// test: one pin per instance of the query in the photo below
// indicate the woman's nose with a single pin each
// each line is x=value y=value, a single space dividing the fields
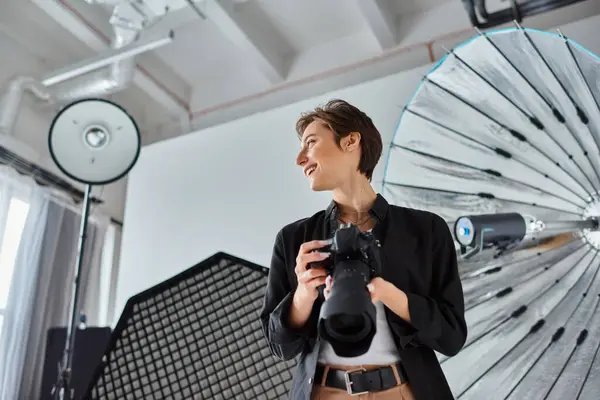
x=301 y=158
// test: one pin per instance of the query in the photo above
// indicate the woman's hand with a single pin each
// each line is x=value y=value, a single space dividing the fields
x=309 y=279
x=379 y=288
x=392 y=297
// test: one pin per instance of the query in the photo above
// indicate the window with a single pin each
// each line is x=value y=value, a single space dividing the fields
x=11 y=237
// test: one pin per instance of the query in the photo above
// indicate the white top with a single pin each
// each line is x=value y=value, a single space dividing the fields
x=382 y=351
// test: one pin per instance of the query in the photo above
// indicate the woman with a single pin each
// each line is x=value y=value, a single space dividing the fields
x=418 y=297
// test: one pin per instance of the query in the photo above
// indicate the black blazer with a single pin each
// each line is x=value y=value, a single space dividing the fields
x=418 y=257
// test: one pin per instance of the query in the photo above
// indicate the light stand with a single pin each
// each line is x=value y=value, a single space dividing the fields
x=62 y=386
x=92 y=141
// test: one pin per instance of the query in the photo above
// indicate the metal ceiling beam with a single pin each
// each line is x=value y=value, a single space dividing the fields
x=259 y=45
x=381 y=21
x=170 y=91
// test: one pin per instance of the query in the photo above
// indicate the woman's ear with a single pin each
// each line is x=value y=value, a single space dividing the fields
x=351 y=142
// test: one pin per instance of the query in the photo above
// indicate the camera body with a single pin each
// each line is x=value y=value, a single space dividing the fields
x=349 y=243
x=347 y=318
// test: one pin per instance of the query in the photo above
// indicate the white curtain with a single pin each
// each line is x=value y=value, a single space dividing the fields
x=111 y=253
x=40 y=277
x=19 y=255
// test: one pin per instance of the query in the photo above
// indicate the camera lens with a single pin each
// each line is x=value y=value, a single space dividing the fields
x=347 y=319
x=348 y=328
x=350 y=324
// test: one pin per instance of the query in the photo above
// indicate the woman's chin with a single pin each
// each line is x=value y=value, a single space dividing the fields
x=317 y=186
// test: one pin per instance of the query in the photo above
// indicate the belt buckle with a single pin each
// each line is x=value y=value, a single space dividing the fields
x=349 y=382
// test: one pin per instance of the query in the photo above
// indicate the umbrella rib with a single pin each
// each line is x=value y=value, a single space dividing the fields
x=557 y=114
x=560 y=259
x=558 y=334
x=564 y=366
x=498 y=151
x=481 y=194
x=517 y=313
x=589 y=371
x=504 y=291
x=555 y=111
x=582 y=76
x=580 y=339
x=587 y=85
x=533 y=119
x=580 y=113
x=521 y=137
x=486 y=270
x=524 y=375
x=487 y=171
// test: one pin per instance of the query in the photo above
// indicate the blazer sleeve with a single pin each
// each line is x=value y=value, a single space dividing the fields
x=284 y=342
x=438 y=320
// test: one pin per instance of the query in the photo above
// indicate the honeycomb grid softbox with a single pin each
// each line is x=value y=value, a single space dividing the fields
x=194 y=336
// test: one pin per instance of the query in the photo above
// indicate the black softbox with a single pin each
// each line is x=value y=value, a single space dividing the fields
x=194 y=336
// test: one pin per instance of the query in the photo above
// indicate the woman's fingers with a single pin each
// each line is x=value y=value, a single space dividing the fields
x=328 y=282
x=316 y=282
x=304 y=259
x=313 y=273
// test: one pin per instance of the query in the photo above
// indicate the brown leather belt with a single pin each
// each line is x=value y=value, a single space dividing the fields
x=359 y=380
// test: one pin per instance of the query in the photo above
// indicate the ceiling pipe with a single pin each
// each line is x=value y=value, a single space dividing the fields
x=13 y=95
x=105 y=59
x=127 y=24
x=128 y=21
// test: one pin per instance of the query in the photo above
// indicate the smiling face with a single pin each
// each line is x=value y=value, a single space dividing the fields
x=325 y=163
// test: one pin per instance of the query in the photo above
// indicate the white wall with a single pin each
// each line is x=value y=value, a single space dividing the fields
x=232 y=187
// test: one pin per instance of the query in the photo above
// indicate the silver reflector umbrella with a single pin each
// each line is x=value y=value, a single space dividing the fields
x=502 y=140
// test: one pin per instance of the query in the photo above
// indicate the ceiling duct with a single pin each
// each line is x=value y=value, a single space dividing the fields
x=129 y=19
x=127 y=24
x=11 y=101
x=481 y=18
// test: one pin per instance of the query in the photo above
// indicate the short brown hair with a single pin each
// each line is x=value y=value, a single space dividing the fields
x=343 y=118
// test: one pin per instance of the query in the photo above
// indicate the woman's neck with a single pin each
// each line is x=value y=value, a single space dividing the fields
x=355 y=198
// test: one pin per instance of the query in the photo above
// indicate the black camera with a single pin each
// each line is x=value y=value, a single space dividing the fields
x=347 y=318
